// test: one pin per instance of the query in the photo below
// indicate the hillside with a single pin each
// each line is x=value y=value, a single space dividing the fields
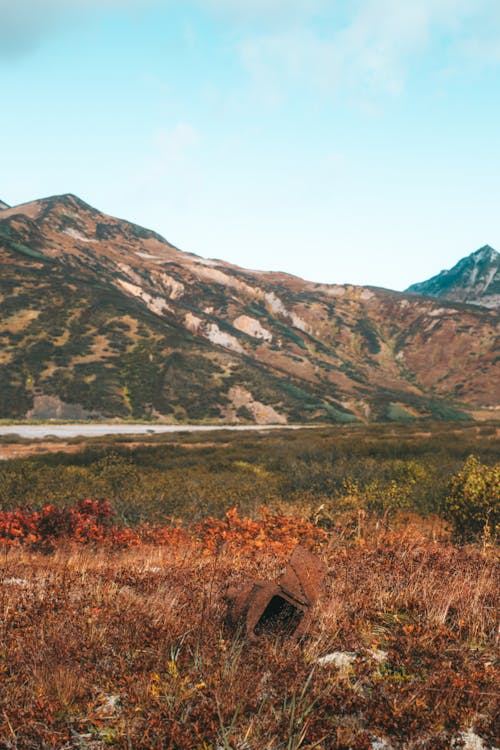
x=475 y=280
x=100 y=317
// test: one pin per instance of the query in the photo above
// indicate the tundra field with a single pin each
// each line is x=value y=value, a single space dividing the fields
x=117 y=555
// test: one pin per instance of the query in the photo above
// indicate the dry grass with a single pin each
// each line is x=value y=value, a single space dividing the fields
x=128 y=649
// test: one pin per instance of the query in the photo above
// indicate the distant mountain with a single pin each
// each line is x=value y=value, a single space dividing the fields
x=475 y=280
x=3 y=205
x=102 y=318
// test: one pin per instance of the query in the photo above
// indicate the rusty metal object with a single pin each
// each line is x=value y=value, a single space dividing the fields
x=282 y=607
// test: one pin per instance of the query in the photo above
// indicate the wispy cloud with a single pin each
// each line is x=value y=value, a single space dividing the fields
x=373 y=51
x=282 y=42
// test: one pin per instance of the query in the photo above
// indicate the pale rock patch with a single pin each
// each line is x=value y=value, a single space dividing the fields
x=128 y=271
x=262 y=413
x=158 y=305
x=147 y=256
x=491 y=275
x=215 y=274
x=299 y=323
x=175 y=288
x=222 y=338
x=212 y=332
x=366 y=294
x=276 y=305
x=431 y=325
x=440 y=311
x=193 y=323
x=75 y=235
x=252 y=327
x=335 y=291
x=205 y=262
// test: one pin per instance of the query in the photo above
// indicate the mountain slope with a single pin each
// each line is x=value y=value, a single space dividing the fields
x=100 y=316
x=475 y=279
x=3 y=205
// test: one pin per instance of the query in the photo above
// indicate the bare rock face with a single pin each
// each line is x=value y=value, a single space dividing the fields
x=475 y=280
x=281 y=608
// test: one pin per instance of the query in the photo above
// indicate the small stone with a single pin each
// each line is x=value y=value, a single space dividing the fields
x=469 y=740
x=378 y=743
x=340 y=659
x=376 y=655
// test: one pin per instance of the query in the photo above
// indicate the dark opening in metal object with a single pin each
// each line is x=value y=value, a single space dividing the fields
x=279 y=617
x=281 y=607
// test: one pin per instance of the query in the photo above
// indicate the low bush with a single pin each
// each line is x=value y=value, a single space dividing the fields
x=473 y=501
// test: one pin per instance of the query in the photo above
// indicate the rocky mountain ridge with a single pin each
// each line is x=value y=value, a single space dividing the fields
x=101 y=317
x=474 y=279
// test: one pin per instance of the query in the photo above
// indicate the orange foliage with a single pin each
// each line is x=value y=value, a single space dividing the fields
x=91 y=522
x=276 y=533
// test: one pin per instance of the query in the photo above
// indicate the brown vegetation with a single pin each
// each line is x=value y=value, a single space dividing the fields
x=128 y=649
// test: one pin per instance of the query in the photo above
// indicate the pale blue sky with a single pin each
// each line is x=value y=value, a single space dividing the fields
x=350 y=141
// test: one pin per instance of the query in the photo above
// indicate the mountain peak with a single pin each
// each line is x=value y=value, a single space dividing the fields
x=485 y=253
x=475 y=279
x=69 y=199
x=53 y=203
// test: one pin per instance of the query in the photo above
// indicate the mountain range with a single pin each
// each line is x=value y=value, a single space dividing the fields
x=100 y=318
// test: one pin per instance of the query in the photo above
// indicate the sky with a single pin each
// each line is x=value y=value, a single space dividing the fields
x=344 y=141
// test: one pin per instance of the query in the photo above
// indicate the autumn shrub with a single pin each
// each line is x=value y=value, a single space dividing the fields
x=473 y=501
x=270 y=532
x=92 y=522
x=89 y=521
